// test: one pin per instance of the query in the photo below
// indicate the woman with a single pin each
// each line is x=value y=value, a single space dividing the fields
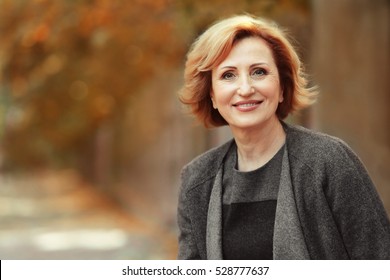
x=276 y=191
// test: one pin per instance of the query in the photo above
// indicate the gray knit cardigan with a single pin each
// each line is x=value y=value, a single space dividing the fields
x=327 y=207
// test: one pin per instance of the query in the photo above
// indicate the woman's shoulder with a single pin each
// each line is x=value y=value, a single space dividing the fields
x=205 y=166
x=315 y=147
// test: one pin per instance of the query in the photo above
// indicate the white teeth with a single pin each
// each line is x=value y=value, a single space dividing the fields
x=247 y=104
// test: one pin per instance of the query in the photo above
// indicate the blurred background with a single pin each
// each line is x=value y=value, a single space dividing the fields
x=92 y=136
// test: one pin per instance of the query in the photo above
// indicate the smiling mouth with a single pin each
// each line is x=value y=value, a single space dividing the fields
x=247 y=104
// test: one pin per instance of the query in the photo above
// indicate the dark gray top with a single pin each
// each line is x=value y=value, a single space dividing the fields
x=257 y=185
x=249 y=204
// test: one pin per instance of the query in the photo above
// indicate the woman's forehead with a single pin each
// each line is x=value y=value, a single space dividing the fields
x=248 y=51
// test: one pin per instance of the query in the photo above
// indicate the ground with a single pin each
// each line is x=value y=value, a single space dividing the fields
x=56 y=215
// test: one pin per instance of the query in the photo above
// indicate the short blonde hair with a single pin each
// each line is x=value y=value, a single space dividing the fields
x=215 y=44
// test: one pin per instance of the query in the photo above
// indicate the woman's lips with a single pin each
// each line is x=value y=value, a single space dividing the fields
x=246 y=106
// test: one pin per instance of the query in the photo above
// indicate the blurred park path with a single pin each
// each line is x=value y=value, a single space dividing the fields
x=55 y=215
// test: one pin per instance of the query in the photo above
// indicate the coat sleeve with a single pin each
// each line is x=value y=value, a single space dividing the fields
x=187 y=246
x=358 y=211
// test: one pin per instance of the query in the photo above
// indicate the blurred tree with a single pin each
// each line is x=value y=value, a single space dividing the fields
x=67 y=67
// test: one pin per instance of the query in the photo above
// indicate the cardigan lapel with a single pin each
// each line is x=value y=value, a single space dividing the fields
x=289 y=242
x=214 y=220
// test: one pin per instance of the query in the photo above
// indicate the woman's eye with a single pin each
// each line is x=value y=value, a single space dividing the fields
x=259 y=72
x=228 y=76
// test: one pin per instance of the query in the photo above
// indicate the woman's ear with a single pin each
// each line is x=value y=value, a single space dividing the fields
x=212 y=100
x=281 y=97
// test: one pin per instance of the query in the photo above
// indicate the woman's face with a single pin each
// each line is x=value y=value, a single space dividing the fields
x=245 y=86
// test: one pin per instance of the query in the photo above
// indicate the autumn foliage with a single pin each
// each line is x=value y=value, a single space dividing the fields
x=69 y=68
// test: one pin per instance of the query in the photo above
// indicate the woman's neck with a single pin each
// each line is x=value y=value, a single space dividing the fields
x=256 y=146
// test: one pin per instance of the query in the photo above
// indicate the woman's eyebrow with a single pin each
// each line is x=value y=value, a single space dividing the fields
x=228 y=67
x=259 y=64
x=235 y=67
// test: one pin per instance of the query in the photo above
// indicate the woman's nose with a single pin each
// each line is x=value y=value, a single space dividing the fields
x=245 y=88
